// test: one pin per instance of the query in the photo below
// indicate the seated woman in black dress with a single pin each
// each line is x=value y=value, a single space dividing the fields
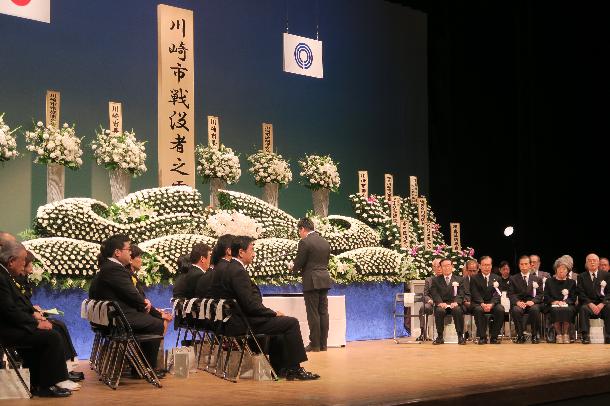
x=560 y=296
x=27 y=289
x=135 y=266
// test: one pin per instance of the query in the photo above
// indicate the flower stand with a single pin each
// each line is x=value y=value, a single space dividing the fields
x=271 y=193
x=119 y=184
x=216 y=184
x=56 y=182
x=320 y=201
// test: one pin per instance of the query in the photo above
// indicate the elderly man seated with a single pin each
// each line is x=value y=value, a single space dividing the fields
x=21 y=326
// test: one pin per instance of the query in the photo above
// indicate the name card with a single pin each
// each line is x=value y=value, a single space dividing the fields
x=404 y=234
x=213 y=132
x=363 y=183
x=456 y=244
x=413 y=190
x=176 y=92
x=422 y=210
x=395 y=205
x=52 y=108
x=389 y=186
x=429 y=236
x=115 y=115
x=267 y=137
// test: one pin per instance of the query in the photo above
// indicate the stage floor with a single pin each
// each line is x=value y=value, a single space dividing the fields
x=384 y=373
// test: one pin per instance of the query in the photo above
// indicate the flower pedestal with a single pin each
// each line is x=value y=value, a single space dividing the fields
x=320 y=201
x=215 y=185
x=56 y=182
x=119 y=184
x=271 y=193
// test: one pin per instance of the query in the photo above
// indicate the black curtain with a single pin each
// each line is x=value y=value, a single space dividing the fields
x=518 y=94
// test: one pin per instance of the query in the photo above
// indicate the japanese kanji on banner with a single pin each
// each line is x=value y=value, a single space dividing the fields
x=176 y=114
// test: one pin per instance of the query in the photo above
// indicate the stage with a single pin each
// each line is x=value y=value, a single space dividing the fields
x=382 y=372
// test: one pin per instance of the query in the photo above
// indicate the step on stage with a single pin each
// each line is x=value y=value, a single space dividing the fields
x=384 y=373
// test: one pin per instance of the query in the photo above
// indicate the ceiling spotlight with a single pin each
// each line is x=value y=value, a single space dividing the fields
x=508 y=231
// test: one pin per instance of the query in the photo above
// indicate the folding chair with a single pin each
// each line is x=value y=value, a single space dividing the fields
x=226 y=364
x=402 y=300
x=9 y=352
x=115 y=343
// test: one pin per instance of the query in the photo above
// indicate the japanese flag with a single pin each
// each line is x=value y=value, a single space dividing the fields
x=39 y=10
x=303 y=56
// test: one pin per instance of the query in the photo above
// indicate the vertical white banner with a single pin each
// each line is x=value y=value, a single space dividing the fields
x=213 y=132
x=363 y=183
x=267 y=137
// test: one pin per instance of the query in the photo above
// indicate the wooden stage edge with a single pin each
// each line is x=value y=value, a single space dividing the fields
x=384 y=373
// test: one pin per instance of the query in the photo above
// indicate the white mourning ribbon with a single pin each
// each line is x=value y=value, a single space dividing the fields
x=103 y=314
x=208 y=310
x=83 y=309
x=189 y=305
x=90 y=312
x=219 y=312
x=175 y=303
x=603 y=285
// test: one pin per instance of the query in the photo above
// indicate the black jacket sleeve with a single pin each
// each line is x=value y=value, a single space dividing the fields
x=250 y=303
x=11 y=312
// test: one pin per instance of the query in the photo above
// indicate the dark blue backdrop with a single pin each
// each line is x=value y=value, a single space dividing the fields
x=369 y=309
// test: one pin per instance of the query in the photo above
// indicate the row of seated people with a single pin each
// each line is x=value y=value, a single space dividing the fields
x=561 y=297
x=224 y=277
x=44 y=344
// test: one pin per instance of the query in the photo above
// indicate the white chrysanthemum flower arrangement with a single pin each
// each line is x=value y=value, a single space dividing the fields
x=8 y=142
x=234 y=223
x=55 y=145
x=119 y=151
x=221 y=163
x=320 y=172
x=269 y=167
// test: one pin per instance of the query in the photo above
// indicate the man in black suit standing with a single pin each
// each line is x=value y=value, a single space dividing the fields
x=186 y=286
x=287 y=351
x=593 y=298
x=113 y=282
x=448 y=295
x=486 y=294
x=21 y=325
x=525 y=293
x=311 y=263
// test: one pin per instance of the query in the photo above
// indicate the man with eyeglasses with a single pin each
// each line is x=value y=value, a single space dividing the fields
x=113 y=282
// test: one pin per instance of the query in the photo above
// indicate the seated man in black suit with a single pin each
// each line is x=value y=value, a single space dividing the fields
x=200 y=262
x=486 y=294
x=22 y=326
x=428 y=306
x=593 y=298
x=448 y=295
x=287 y=351
x=113 y=282
x=221 y=257
x=525 y=293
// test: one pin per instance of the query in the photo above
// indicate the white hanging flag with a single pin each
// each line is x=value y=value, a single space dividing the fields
x=303 y=56
x=39 y=10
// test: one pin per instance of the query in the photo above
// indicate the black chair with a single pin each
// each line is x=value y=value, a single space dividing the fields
x=228 y=346
x=10 y=356
x=115 y=342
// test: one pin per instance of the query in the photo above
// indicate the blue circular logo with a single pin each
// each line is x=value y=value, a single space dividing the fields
x=303 y=56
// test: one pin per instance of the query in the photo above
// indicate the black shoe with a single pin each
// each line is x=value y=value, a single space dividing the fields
x=585 y=339
x=494 y=340
x=309 y=348
x=551 y=339
x=535 y=340
x=438 y=340
x=323 y=348
x=607 y=340
x=520 y=340
x=76 y=376
x=52 y=392
x=420 y=338
x=160 y=373
x=300 y=374
x=482 y=340
x=461 y=339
